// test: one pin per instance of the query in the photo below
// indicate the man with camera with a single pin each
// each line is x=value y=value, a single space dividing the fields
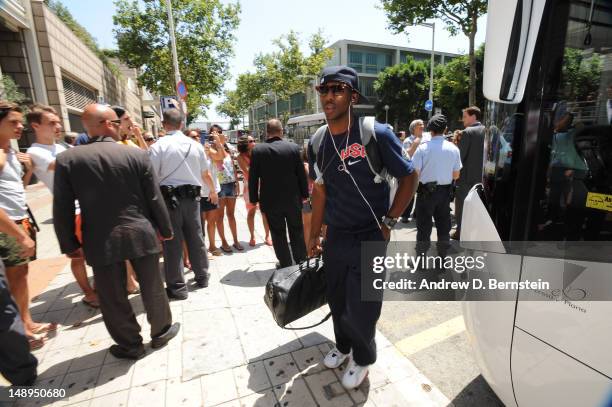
x=438 y=164
x=182 y=168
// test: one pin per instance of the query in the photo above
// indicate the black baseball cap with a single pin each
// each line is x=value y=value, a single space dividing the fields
x=344 y=74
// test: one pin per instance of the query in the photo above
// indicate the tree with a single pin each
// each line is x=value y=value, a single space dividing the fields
x=9 y=90
x=581 y=75
x=283 y=72
x=458 y=15
x=405 y=89
x=232 y=107
x=204 y=40
x=451 y=85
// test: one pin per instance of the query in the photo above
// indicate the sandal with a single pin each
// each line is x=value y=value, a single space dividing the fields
x=238 y=247
x=134 y=291
x=92 y=304
x=44 y=328
x=216 y=252
x=36 y=342
x=268 y=241
x=252 y=242
x=227 y=249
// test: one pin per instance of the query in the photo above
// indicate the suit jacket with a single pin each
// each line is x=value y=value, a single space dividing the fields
x=277 y=178
x=471 y=148
x=120 y=200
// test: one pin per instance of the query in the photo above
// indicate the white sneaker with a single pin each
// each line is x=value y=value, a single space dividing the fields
x=334 y=358
x=354 y=375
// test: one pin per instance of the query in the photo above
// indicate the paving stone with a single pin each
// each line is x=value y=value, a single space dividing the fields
x=251 y=378
x=327 y=390
x=294 y=393
x=118 y=399
x=151 y=368
x=268 y=399
x=412 y=390
x=56 y=362
x=90 y=354
x=389 y=396
x=281 y=369
x=206 y=356
x=218 y=388
x=183 y=394
x=394 y=365
x=114 y=377
x=149 y=395
x=79 y=386
x=175 y=363
x=309 y=360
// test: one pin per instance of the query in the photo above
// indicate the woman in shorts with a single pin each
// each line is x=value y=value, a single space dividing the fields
x=245 y=145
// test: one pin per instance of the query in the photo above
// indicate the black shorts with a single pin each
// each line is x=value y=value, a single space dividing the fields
x=206 y=205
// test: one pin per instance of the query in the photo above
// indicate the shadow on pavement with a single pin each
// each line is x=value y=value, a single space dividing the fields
x=246 y=278
x=477 y=393
x=299 y=376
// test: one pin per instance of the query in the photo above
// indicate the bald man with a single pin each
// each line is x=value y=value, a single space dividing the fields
x=278 y=181
x=122 y=212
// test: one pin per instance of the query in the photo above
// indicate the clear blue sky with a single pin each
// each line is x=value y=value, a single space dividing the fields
x=264 y=20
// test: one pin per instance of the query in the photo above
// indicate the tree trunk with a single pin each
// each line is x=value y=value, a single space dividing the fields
x=472 y=82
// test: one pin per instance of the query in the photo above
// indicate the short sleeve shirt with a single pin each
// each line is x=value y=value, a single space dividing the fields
x=178 y=160
x=436 y=160
x=12 y=192
x=44 y=155
x=345 y=207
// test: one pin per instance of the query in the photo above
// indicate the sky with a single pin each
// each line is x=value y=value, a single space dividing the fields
x=264 y=20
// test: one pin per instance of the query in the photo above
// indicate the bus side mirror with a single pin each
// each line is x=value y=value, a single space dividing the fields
x=512 y=32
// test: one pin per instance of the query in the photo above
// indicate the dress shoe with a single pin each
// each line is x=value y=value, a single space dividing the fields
x=121 y=353
x=176 y=296
x=163 y=339
x=202 y=282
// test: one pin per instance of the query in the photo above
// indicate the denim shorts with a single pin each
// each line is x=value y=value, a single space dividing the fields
x=228 y=190
x=206 y=205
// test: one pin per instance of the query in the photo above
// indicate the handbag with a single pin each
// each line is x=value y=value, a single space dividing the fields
x=295 y=291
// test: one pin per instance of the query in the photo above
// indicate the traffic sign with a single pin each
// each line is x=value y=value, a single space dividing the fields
x=181 y=89
x=429 y=105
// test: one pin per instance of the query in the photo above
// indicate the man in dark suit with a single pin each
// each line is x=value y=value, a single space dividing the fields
x=278 y=181
x=471 y=147
x=121 y=208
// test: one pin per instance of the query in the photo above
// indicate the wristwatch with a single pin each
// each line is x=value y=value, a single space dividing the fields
x=389 y=222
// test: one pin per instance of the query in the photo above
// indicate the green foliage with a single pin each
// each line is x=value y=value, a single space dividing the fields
x=90 y=42
x=451 y=86
x=204 y=40
x=9 y=90
x=405 y=89
x=458 y=16
x=284 y=72
x=581 y=75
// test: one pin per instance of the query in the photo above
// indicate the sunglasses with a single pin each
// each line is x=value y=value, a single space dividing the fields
x=337 y=90
x=149 y=139
x=251 y=141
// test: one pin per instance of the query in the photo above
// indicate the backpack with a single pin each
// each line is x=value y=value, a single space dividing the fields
x=368 y=140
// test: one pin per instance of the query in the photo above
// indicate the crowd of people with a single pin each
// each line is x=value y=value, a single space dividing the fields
x=122 y=196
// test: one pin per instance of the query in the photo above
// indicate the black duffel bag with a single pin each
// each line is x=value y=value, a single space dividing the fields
x=295 y=291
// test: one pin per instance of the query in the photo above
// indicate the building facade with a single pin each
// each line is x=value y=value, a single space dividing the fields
x=51 y=65
x=368 y=59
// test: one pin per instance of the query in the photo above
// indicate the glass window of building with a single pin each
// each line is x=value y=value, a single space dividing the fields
x=371 y=63
x=356 y=60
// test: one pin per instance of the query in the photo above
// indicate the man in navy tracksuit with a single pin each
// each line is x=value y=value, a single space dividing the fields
x=355 y=209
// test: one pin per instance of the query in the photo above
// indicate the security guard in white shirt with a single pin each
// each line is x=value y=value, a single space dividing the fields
x=182 y=168
x=438 y=163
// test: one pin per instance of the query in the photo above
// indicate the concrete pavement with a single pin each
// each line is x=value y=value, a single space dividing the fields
x=229 y=351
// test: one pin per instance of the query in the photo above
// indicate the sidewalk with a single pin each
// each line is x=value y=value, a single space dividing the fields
x=229 y=352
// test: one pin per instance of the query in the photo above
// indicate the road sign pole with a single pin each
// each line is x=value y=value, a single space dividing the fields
x=177 y=74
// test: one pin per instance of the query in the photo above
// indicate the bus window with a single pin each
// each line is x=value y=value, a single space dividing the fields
x=574 y=193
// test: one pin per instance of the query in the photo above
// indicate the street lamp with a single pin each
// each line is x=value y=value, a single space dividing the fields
x=177 y=74
x=386 y=114
x=431 y=68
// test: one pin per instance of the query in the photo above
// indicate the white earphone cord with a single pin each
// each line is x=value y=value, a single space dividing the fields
x=344 y=166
